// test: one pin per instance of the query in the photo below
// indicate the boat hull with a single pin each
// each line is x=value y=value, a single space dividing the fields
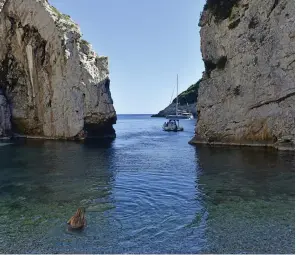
x=179 y=117
x=169 y=129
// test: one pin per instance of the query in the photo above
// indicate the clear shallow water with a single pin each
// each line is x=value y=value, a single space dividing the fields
x=148 y=191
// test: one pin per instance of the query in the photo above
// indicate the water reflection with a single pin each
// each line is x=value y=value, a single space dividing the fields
x=249 y=194
x=99 y=143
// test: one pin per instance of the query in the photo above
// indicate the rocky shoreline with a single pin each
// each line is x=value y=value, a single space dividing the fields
x=283 y=145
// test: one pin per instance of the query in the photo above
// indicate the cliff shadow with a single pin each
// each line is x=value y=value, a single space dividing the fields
x=249 y=196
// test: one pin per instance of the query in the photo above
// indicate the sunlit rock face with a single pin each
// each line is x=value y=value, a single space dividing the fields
x=53 y=84
x=247 y=93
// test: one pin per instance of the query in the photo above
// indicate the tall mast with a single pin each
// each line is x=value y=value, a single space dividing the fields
x=177 y=96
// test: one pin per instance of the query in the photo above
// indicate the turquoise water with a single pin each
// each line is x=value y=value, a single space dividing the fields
x=147 y=191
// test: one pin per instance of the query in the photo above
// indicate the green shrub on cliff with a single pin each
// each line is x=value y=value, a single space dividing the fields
x=64 y=17
x=189 y=96
x=85 y=42
x=59 y=14
x=221 y=9
x=56 y=11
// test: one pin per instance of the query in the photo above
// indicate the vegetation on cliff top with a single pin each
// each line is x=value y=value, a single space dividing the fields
x=221 y=9
x=190 y=95
x=64 y=17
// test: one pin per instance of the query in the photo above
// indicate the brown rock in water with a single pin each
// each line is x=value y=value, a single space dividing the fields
x=78 y=221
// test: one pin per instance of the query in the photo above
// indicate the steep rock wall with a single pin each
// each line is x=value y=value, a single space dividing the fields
x=54 y=84
x=247 y=92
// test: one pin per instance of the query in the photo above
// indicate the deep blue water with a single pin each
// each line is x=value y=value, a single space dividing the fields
x=148 y=191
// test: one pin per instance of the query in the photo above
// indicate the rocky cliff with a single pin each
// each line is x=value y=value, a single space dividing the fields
x=247 y=93
x=52 y=84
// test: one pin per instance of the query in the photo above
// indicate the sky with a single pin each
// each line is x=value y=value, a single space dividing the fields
x=148 y=42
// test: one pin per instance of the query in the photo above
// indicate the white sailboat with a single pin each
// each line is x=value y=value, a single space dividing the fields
x=186 y=115
x=173 y=123
x=180 y=114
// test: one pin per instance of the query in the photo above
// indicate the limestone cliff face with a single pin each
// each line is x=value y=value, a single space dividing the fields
x=51 y=82
x=247 y=92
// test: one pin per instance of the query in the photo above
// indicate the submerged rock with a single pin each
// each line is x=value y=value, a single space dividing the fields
x=247 y=93
x=53 y=84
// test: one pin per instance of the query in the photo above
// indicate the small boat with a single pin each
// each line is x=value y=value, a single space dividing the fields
x=172 y=125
